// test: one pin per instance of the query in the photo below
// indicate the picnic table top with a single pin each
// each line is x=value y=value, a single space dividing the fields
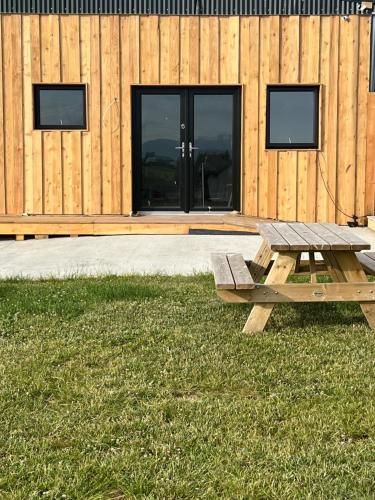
x=297 y=236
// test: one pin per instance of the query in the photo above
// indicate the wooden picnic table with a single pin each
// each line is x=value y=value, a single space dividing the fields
x=238 y=282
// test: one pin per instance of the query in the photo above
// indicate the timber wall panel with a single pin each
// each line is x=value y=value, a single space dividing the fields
x=249 y=77
x=363 y=76
x=370 y=152
x=3 y=201
x=90 y=172
x=130 y=67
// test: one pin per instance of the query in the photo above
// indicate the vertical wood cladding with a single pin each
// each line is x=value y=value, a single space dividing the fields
x=90 y=172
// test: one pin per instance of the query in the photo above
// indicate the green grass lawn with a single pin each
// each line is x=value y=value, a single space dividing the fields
x=145 y=387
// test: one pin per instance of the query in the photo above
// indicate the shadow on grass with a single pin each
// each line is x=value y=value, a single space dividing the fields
x=317 y=315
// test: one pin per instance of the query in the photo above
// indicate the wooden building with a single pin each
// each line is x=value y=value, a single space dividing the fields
x=259 y=109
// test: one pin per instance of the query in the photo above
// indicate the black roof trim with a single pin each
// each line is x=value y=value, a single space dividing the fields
x=183 y=7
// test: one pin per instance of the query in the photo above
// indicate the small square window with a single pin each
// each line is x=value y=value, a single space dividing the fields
x=60 y=107
x=292 y=117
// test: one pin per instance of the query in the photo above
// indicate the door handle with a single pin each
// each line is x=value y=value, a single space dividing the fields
x=191 y=149
x=182 y=148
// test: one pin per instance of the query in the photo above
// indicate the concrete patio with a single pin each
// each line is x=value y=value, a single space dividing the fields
x=92 y=256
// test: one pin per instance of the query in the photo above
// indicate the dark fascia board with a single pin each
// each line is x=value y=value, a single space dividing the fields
x=184 y=7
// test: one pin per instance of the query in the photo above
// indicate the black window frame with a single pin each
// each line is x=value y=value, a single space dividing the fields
x=297 y=145
x=37 y=87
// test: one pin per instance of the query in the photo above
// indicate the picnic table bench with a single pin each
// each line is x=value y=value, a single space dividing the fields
x=239 y=281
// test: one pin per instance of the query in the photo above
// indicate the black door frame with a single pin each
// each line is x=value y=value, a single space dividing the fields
x=187 y=116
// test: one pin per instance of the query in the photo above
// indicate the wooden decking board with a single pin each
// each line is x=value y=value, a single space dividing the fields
x=118 y=224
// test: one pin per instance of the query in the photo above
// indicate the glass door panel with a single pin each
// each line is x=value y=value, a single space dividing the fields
x=211 y=151
x=186 y=148
x=160 y=153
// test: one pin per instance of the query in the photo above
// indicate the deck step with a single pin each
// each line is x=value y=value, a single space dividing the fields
x=65 y=225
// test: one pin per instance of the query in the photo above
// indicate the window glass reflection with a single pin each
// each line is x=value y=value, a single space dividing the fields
x=292 y=117
x=160 y=158
x=213 y=161
x=63 y=108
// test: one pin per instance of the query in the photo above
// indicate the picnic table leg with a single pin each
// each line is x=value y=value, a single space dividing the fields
x=278 y=274
x=333 y=267
x=345 y=267
x=261 y=261
x=312 y=263
x=298 y=263
x=353 y=272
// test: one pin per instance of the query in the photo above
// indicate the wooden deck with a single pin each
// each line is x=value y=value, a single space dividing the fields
x=80 y=225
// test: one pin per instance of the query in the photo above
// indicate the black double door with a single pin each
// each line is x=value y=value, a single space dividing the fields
x=186 y=148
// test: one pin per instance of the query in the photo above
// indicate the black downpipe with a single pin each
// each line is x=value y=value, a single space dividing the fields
x=372 y=56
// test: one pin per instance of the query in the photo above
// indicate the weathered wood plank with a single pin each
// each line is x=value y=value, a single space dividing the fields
x=149 y=50
x=370 y=157
x=51 y=146
x=3 y=189
x=222 y=273
x=13 y=113
x=367 y=260
x=209 y=50
x=249 y=76
x=130 y=66
x=307 y=160
x=71 y=141
x=229 y=49
x=259 y=265
x=28 y=123
x=295 y=241
x=38 y=198
x=352 y=271
x=302 y=293
x=327 y=163
x=85 y=57
x=354 y=242
x=279 y=273
x=169 y=50
x=335 y=242
x=240 y=272
x=273 y=238
x=361 y=111
x=95 y=117
x=288 y=160
x=316 y=242
x=273 y=155
x=110 y=123
x=189 y=50
x=269 y=72
x=347 y=117
x=370 y=255
x=313 y=268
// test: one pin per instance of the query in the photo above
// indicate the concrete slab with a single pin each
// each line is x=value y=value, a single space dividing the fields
x=153 y=254
x=86 y=256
